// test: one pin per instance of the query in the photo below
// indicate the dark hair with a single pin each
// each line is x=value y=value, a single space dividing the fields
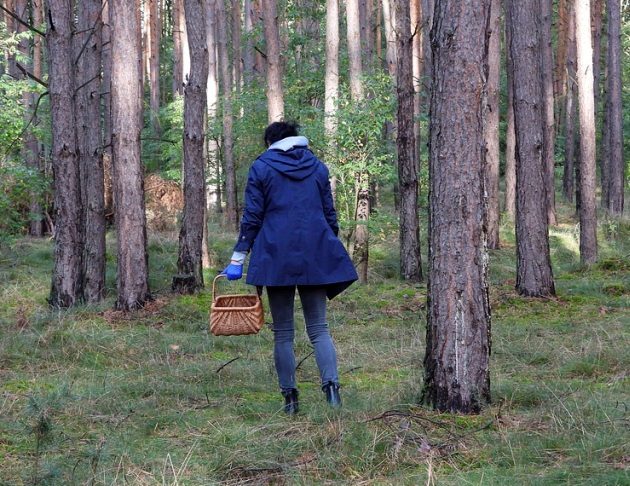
x=279 y=130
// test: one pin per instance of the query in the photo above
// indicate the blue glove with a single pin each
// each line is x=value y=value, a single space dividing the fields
x=234 y=270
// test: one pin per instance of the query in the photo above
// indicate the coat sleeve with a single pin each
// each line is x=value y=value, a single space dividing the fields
x=328 y=204
x=253 y=213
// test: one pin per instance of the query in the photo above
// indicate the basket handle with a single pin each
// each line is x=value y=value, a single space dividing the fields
x=214 y=285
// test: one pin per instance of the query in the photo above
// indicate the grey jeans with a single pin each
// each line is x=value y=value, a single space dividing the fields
x=313 y=298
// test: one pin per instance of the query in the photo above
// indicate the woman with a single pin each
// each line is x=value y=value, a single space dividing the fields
x=290 y=226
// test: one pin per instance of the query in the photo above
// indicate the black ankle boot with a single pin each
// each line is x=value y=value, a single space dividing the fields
x=332 y=394
x=291 y=403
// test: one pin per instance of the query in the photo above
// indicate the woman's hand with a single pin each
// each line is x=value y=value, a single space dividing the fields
x=234 y=270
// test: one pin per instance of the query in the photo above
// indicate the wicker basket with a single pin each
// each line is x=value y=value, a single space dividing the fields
x=235 y=315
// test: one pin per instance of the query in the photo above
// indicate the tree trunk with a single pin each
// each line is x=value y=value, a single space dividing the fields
x=248 y=55
x=534 y=276
x=154 y=64
x=361 y=235
x=214 y=189
x=456 y=363
x=616 y=169
x=331 y=81
x=236 y=45
x=416 y=46
x=30 y=149
x=548 y=110
x=596 y=20
x=428 y=7
x=67 y=282
x=106 y=58
x=227 y=148
x=568 y=179
x=132 y=269
x=389 y=20
x=410 y=263
x=510 y=135
x=491 y=130
x=88 y=47
x=588 y=216
x=189 y=261
x=275 y=96
x=178 y=53
x=560 y=77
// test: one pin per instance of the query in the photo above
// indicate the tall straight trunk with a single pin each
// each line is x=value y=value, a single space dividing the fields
x=361 y=235
x=30 y=149
x=67 y=282
x=534 y=276
x=389 y=21
x=457 y=359
x=214 y=190
x=491 y=128
x=126 y=93
x=189 y=261
x=410 y=263
x=259 y=60
x=88 y=48
x=248 y=55
x=275 y=95
x=568 y=178
x=331 y=80
x=560 y=77
x=586 y=100
x=510 y=135
x=236 y=45
x=178 y=53
x=548 y=110
x=415 y=15
x=428 y=7
x=154 y=63
x=106 y=86
x=596 y=19
x=378 y=33
x=616 y=169
x=227 y=148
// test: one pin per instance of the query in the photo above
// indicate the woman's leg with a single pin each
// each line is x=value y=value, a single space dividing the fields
x=281 y=301
x=314 y=306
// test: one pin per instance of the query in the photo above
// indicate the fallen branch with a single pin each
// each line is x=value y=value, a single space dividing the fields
x=225 y=364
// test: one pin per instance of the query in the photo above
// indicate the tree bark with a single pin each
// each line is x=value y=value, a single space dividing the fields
x=248 y=55
x=132 y=267
x=67 y=282
x=491 y=128
x=189 y=261
x=88 y=48
x=559 y=86
x=331 y=80
x=389 y=21
x=30 y=149
x=178 y=53
x=361 y=235
x=410 y=263
x=415 y=14
x=106 y=58
x=568 y=179
x=548 y=110
x=534 y=277
x=214 y=190
x=616 y=169
x=226 y=79
x=275 y=96
x=428 y=7
x=236 y=45
x=510 y=135
x=154 y=64
x=588 y=216
x=457 y=356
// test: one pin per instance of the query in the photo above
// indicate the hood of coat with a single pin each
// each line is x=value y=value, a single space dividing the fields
x=291 y=157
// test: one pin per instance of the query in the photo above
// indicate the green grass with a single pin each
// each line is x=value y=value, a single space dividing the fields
x=93 y=396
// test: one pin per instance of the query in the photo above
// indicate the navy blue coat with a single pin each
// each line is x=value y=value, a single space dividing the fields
x=290 y=224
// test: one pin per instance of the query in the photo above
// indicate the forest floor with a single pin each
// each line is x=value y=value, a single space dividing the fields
x=93 y=396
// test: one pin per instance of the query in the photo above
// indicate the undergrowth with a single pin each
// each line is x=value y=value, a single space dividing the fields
x=93 y=396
